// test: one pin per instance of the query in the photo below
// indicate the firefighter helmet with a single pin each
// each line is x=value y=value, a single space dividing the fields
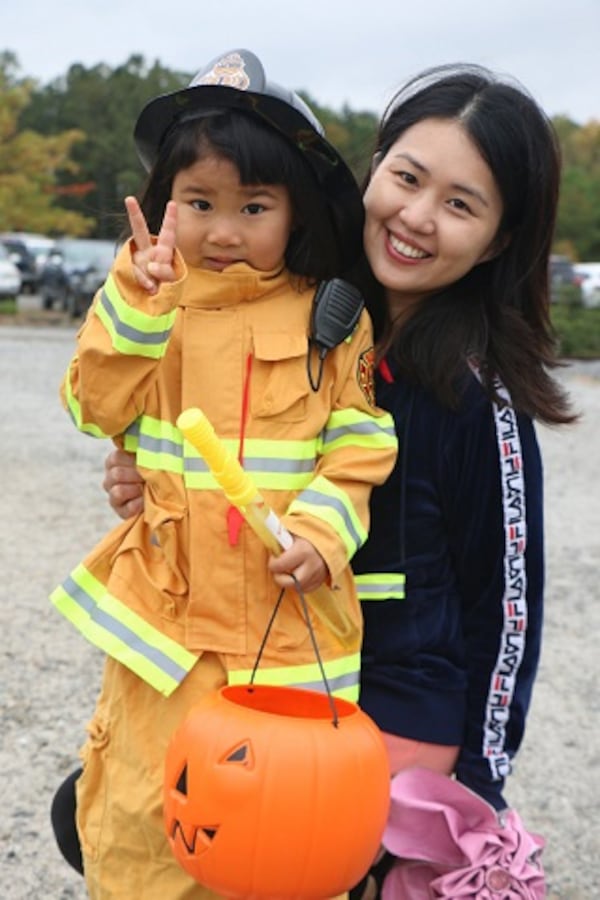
x=236 y=80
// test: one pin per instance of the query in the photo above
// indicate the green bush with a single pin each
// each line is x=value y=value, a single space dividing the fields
x=578 y=330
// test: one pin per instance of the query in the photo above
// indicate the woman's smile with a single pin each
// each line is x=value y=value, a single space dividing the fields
x=405 y=249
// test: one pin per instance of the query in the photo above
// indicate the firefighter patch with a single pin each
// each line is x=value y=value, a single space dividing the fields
x=229 y=70
x=366 y=382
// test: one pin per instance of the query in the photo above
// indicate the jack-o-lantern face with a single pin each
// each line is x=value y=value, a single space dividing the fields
x=266 y=798
x=201 y=836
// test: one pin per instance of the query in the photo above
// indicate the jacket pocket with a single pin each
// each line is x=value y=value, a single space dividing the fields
x=280 y=385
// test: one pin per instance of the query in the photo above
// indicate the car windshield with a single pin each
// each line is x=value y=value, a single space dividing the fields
x=85 y=253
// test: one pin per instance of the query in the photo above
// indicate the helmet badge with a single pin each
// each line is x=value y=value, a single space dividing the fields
x=228 y=71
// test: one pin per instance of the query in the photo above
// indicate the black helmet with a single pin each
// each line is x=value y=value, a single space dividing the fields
x=236 y=80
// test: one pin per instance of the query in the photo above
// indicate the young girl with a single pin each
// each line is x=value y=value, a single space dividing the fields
x=251 y=208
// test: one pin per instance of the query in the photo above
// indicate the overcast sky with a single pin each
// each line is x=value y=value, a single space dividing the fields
x=340 y=51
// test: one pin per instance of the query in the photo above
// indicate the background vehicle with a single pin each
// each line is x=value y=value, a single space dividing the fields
x=54 y=281
x=24 y=261
x=10 y=277
x=565 y=283
x=74 y=271
x=589 y=273
x=37 y=245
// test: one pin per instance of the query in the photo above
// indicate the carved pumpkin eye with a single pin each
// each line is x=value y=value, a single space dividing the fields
x=241 y=754
x=181 y=785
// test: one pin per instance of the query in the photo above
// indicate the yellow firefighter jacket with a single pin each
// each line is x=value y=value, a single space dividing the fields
x=163 y=587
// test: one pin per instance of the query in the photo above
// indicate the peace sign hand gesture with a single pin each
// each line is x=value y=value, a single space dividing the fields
x=152 y=262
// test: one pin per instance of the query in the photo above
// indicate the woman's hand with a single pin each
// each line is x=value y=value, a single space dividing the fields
x=123 y=484
x=152 y=260
x=303 y=562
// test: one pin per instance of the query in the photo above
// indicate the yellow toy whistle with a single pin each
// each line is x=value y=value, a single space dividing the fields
x=241 y=492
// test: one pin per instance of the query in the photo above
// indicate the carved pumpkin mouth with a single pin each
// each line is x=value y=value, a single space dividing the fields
x=198 y=838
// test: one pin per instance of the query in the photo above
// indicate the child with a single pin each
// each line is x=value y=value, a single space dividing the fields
x=252 y=208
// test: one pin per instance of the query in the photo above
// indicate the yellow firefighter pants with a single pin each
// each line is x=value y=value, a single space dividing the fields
x=119 y=795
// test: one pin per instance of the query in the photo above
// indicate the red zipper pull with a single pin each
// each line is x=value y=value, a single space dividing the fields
x=235 y=521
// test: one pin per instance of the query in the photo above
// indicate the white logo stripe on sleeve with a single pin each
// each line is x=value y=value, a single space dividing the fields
x=514 y=601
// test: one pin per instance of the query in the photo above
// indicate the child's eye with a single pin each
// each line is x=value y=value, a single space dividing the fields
x=201 y=204
x=254 y=208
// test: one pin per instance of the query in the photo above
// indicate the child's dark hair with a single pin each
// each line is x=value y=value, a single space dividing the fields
x=498 y=313
x=262 y=156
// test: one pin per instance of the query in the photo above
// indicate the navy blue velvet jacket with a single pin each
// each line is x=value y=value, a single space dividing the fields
x=462 y=516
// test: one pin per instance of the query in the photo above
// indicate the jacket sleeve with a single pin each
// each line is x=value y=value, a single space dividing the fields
x=358 y=448
x=119 y=346
x=495 y=514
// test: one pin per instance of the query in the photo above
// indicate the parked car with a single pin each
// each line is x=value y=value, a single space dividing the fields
x=589 y=273
x=37 y=245
x=24 y=261
x=10 y=277
x=73 y=272
x=565 y=283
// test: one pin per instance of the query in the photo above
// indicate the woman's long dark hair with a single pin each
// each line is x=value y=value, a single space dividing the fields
x=498 y=313
x=262 y=156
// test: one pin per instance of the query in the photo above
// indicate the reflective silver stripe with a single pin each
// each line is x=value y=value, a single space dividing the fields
x=159 y=445
x=345 y=681
x=380 y=586
x=364 y=428
x=342 y=675
x=338 y=683
x=128 y=332
x=258 y=464
x=116 y=628
x=132 y=435
x=139 y=436
x=315 y=498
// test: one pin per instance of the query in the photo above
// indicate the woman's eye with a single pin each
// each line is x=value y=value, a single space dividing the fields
x=407 y=177
x=460 y=205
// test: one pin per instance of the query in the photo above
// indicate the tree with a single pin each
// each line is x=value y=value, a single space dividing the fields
x=104 y=103
x=30 y=164
x=351 y=132
x=578 y=227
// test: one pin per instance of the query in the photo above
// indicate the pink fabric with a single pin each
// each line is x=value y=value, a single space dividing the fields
x=453 y=845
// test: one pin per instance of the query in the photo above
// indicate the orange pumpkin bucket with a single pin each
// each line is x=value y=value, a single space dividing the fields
x=267 y=798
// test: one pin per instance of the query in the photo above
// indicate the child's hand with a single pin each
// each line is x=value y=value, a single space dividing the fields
x=303 y=562
x=152 y=262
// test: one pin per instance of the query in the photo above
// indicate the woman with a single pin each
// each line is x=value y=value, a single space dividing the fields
x=460 y=209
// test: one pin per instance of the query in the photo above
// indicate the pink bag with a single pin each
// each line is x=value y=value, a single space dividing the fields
x=451 y=844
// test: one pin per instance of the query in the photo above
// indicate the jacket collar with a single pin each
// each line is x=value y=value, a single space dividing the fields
x=205 y=289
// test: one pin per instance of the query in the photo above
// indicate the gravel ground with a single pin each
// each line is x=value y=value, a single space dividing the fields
x=54 y=510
